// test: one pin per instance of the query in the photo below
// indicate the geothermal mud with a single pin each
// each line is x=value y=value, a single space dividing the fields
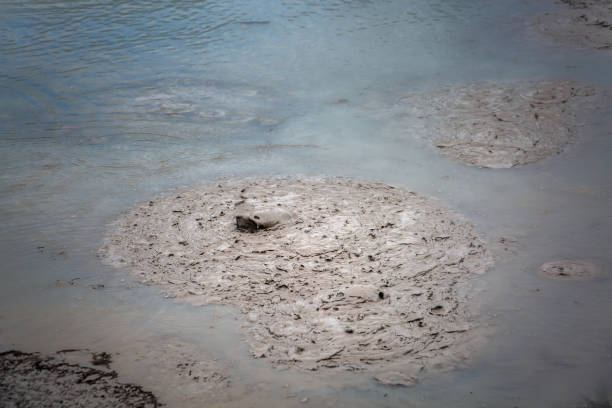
x=584 y=23
x=32 y=380
x=332 y=273
x=500 y=125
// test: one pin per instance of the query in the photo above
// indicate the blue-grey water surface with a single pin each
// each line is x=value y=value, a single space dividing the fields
x=106 y=103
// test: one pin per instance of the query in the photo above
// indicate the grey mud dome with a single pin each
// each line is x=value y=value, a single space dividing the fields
x=32 y=380
x=585 y=23
x=501 y=125
x=342 y=275
x=567 y=269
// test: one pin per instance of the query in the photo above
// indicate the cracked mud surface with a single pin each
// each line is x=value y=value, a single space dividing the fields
x=355 y=276
x=584 y=23
x=32 y=380
x=501 y=125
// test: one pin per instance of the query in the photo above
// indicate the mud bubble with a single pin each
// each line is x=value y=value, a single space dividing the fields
x=568 y=269
x=500 y=125
x=354 y=275
x=584 y=23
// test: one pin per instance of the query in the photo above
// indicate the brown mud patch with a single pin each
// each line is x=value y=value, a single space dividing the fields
x=570 y=270
x=334 y=273
x=585 y=23
x=502 y=125
x=32 y=380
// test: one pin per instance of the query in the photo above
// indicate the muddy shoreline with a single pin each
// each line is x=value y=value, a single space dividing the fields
x=356 y=276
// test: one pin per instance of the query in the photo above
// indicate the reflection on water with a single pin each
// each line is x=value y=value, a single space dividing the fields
x=106 y=103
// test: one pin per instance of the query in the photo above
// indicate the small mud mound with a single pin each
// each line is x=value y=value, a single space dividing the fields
x=586 y=24
x=501 y=125
x=31 y=380
x=567 y=269
x=329 y=273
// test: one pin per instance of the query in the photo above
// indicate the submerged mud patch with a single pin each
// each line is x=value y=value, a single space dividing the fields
x=334 y=273
x=568 y=269
x=192 y=372
x=501 y=125
x=586 y=24
x=32 y=380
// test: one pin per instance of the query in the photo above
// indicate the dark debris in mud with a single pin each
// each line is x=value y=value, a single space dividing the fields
x=33 y=380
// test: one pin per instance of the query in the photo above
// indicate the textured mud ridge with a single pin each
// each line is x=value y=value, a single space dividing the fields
x=334 y=273
x=31 y=380
x=501 y=125
x=585 y=23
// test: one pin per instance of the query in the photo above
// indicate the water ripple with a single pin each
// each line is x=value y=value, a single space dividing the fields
x=95 y=30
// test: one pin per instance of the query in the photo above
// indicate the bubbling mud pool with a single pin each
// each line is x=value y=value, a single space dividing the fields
x=103 y=108
x=354 y=276
x=502 y=125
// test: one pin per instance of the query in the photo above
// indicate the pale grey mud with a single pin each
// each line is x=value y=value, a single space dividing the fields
x=583 y=23
x=329 y=273
x=501 y=124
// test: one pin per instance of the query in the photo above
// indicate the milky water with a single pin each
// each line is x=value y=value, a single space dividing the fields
x=107 y=103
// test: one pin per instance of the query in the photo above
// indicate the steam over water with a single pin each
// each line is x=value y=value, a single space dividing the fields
x=108 y=103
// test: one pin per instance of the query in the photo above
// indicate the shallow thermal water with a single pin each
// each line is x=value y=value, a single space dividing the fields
x=105 y=104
